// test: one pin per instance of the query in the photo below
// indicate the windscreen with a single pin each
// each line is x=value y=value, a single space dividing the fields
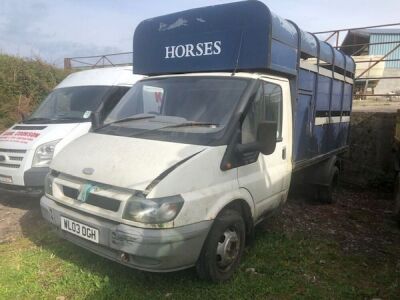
x=73 y=104
x=176 y=108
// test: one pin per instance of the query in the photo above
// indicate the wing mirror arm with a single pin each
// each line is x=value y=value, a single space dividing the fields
x=96 y=120
x=247 y=148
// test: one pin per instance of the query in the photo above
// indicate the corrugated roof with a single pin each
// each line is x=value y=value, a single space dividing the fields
x=376 y=31
x=383 y=49
x=360 y=37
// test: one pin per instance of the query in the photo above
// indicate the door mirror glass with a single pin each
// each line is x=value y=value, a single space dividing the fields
x=266 y=137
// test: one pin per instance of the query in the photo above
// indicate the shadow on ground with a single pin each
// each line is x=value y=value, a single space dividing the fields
x=12 y=210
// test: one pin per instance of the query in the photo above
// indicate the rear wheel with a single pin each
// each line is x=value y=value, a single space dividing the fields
x=397 y=199
x=223 y=247
x=325 y=194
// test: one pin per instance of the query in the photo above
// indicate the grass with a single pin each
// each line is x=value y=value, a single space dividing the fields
x=287 y=267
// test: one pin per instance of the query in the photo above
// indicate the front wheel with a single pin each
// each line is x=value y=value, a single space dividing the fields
x=223 y=247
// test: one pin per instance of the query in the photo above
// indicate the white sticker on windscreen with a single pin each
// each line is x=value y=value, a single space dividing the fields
x=87 y=114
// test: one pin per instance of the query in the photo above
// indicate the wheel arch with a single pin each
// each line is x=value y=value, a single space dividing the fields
x=320 y=174
x=243 y=207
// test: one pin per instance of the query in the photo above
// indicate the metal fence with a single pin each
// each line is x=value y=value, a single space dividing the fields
x=388 y=50
x=382 y=47
x=98 y=61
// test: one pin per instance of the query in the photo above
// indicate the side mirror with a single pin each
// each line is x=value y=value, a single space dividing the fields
x=96 y=119
x=266 y=137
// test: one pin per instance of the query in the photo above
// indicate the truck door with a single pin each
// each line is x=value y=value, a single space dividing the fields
x=267 y=178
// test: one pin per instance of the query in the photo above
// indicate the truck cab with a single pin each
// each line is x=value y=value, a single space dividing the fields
x=27 y=148
x=182 y=181
x=170 y=170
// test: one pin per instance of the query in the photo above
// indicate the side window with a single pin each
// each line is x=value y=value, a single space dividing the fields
x=266 y=107
x=152 y=99
x=273 y=99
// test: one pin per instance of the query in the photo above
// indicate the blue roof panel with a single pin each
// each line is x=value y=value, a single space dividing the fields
x=325 y=52
x=241 y=36
x=309 y=44
x=339 y=58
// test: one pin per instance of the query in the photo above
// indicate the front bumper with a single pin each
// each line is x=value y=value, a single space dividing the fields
x=33 y=183
x=154 y=250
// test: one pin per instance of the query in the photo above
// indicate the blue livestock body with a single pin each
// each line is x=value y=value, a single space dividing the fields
x=247 y=36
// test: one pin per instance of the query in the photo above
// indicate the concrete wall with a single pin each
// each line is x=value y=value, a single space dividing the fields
x=369 y=160
x=386 y=86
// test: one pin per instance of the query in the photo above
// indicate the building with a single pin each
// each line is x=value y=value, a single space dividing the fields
x=368 y=46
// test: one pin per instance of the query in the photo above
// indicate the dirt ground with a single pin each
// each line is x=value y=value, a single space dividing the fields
x=360 y=220
x=15 y=209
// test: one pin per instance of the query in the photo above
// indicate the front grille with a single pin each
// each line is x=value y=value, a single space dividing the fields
x=103 y=202
x=11 y=166
x=11 y=158
x=12 y=151
x=16 y=158
x=70 y=192
x=93 y=199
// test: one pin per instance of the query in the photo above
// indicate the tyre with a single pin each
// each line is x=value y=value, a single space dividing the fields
x=223 y=248
x=397 y=199
x=324 y=194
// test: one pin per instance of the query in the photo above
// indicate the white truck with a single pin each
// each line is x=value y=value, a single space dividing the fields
x=27 y=148
x=244 y=100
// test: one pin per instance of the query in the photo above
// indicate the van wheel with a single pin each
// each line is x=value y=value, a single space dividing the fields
x=397 y=199
x=324 y=194
x=223 y=247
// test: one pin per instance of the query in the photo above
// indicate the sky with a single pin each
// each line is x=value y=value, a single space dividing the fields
x=54 y=29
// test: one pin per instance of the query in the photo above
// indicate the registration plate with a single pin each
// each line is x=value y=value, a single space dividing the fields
x=79 y=229
x=6 y=179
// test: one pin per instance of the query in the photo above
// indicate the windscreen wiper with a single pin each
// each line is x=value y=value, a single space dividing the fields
x=185 y=124
x=127 y=120
x=37 y=120
x=71 y=119
x=192 y=124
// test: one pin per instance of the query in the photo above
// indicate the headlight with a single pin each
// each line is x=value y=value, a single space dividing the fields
x=153 y=211
x=48 y=184
x=44 y=154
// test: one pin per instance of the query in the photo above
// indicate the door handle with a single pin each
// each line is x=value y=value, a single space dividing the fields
x=284 y=153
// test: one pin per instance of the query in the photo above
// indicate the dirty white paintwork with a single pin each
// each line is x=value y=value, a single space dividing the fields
x=133 y=163
x=268 y=179
x=64 y=133
x=129 y=163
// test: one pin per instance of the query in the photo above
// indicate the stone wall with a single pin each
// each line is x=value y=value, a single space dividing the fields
x=369 y=160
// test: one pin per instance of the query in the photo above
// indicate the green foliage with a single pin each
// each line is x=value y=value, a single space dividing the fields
x=23 y=85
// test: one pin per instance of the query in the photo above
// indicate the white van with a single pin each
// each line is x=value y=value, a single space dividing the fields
x=27 y=148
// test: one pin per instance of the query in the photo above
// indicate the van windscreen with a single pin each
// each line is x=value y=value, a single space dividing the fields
x=177 y=108
x=72 y=104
